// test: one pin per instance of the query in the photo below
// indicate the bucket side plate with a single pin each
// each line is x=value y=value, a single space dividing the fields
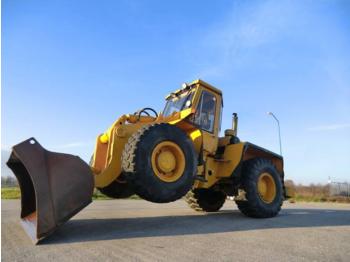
x=54 y=187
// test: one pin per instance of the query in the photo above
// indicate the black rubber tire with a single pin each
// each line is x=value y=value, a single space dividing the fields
x=255 y=206
x=136 y=163
x=205 y=200
x=118 y=190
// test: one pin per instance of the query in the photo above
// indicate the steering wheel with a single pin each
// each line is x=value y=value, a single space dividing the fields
x=144 y=110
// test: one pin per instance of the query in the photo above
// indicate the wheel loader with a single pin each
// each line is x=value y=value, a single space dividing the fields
x=159 y=157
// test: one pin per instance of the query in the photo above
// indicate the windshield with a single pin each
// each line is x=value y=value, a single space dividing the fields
x=178 y=103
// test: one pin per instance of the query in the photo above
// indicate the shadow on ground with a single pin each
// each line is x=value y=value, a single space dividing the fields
x=83 y=230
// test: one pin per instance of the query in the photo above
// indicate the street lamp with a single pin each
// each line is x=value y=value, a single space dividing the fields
x=279 y=129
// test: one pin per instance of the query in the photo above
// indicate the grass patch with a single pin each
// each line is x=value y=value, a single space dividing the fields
x=15 y=193
x=10 y=193
x=320 y=198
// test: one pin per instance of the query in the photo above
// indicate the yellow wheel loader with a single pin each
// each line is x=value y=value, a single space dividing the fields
x=160 y=157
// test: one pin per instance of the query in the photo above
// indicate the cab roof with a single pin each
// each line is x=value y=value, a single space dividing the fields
x=195 y=82
x=205 y=84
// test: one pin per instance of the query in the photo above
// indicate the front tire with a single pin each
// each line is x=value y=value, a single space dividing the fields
x=160 y=163
x=263 y=186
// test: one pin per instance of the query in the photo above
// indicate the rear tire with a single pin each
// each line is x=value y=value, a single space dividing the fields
x=207 y=200
x=141 y=168
x=264 y=201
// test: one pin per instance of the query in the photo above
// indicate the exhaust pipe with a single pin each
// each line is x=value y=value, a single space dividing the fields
x=54 y=187
x=235 y=124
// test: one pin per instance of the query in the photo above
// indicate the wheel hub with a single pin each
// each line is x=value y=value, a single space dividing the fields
x=266 y=187
x=168 y=161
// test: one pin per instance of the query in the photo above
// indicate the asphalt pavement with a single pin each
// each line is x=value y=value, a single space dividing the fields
x=136 y=230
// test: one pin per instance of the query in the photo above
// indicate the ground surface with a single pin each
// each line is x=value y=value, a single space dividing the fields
x=135 y=230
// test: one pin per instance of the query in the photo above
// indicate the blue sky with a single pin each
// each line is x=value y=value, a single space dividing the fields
x=70 y=68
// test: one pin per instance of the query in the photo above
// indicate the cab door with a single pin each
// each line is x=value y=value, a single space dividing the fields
x=207 y=118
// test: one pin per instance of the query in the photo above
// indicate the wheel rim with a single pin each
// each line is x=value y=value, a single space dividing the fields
x=266 y=188
x=168 y=161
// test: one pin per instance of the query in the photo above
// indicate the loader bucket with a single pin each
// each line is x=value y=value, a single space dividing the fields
x=54 y=187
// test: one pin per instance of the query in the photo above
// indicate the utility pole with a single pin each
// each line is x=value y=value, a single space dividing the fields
x=279 y=129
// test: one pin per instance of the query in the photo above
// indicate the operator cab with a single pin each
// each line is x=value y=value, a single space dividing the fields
x=205 y=103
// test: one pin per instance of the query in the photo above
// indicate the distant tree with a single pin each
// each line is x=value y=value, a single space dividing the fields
x=289 y=182
x=8 y=181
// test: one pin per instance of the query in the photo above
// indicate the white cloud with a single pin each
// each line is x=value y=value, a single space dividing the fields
x=329 y=127
x=248 y=27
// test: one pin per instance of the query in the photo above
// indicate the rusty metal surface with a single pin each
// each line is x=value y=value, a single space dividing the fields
x=54 y=187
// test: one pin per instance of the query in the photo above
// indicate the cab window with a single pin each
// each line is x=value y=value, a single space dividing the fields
x=205 y=113
x=220 y=118
x=177 y=103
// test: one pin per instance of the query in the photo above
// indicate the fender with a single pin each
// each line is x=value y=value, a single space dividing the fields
x=252 y=151
x=230 y=164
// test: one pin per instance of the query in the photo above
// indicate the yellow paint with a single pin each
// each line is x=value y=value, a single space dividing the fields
x=168 y=161
x=211 y=172
x=231 y=159
x=221 y=168
x=266 y=188
x=224 y=141
x=210 y=140
x=200 y=170
x=104 y=138
x=180 y=116
x=106 y=163
x=196 y=137
x=197 y=83
x=207 y=86
x=107 y=157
